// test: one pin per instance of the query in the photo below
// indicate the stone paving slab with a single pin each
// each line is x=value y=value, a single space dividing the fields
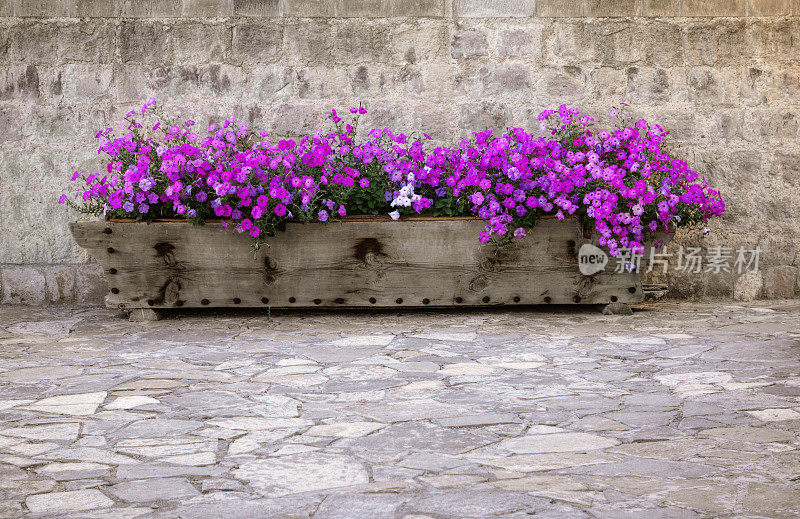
x=678 y=411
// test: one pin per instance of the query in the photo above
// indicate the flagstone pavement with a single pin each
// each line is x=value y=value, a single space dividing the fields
x=679 y=411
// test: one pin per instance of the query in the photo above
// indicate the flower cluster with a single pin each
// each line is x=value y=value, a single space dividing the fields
x=624 y=182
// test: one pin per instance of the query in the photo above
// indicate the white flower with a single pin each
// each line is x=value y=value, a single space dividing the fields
x=394 y=215
x=410 y=177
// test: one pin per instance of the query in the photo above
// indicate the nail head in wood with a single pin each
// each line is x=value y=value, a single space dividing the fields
x=399 y=300
x=576 y=299
x=372 y=300
x=110 y=250
x=265 y=300
x=112 y=271
x=107 y=230
x=236 y=300
x=426 y=301
x=204 y=302
x=151 y=302
x=547 y=299
x=317 y=301
x=486 y=299
x=632 y=290
x=292 y=300
x=516 y=299
x=115 y=290
x=459 y=300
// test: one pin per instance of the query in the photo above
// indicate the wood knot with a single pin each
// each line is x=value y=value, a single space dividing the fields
x=478 y=283
x=368 y=251
x=270 y=270
x=172 y=291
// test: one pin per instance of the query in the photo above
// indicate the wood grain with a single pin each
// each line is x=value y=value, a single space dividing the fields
x=359 y=262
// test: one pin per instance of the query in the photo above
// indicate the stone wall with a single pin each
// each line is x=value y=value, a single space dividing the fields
x=724 y=75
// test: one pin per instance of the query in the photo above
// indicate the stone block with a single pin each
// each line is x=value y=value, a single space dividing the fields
x=786 y=166
x=320 y=82
x=662 y=43
x=569 y=41
x=615 y=42
x=7 y=8
x=358 y=42
x=522 y=42
x=651 y=85
x=419 y=41
x=83 y=82
x=725 y=125
x=311 y=8
x=481 y=116
x=87 y=42
x=42 y=8
x=221 y=79
x=413 y=8
x=23 y=285
x=561 y=8
x=781 y=282
x=756 y=83
x=144 y=42
x=692 y=8
x=772 y=39
x=292 y=120
x=661 y=8
x=720 y=42
x=617 y=8
x=19 y=82
x=605 y=83
x=485 y=81
x=209 y=8
x=771 y=126
x=467 y=43
x=435 y=119
x=260 y=8
x=31 y=43
x=96 y=9
x=309 y=42
x=438 y=78
x=59 y=283
x=199 y=43
x=270 y=82
x=748 y=286
x=406 y=81
x=90 y=284
x=560 y=85
x=151 y=8
x=704 y=86
x=257 y=42
x=786 y=85
x=768 y=7
x=494 y=8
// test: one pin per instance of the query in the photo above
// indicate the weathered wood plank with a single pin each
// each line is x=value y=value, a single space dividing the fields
x=434 y=262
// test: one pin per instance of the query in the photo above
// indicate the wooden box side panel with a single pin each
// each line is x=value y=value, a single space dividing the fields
x=352 y=263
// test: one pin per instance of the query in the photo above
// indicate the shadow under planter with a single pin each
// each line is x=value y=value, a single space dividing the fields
x=358 y=262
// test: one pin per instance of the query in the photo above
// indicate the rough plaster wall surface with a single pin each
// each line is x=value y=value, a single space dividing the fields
x=724 y=76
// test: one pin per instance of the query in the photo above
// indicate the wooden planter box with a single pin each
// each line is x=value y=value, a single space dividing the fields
x=359 y=262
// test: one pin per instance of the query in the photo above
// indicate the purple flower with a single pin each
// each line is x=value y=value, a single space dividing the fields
x=322 y=216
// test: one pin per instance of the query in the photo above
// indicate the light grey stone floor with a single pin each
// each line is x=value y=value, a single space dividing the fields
x=679 y=411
